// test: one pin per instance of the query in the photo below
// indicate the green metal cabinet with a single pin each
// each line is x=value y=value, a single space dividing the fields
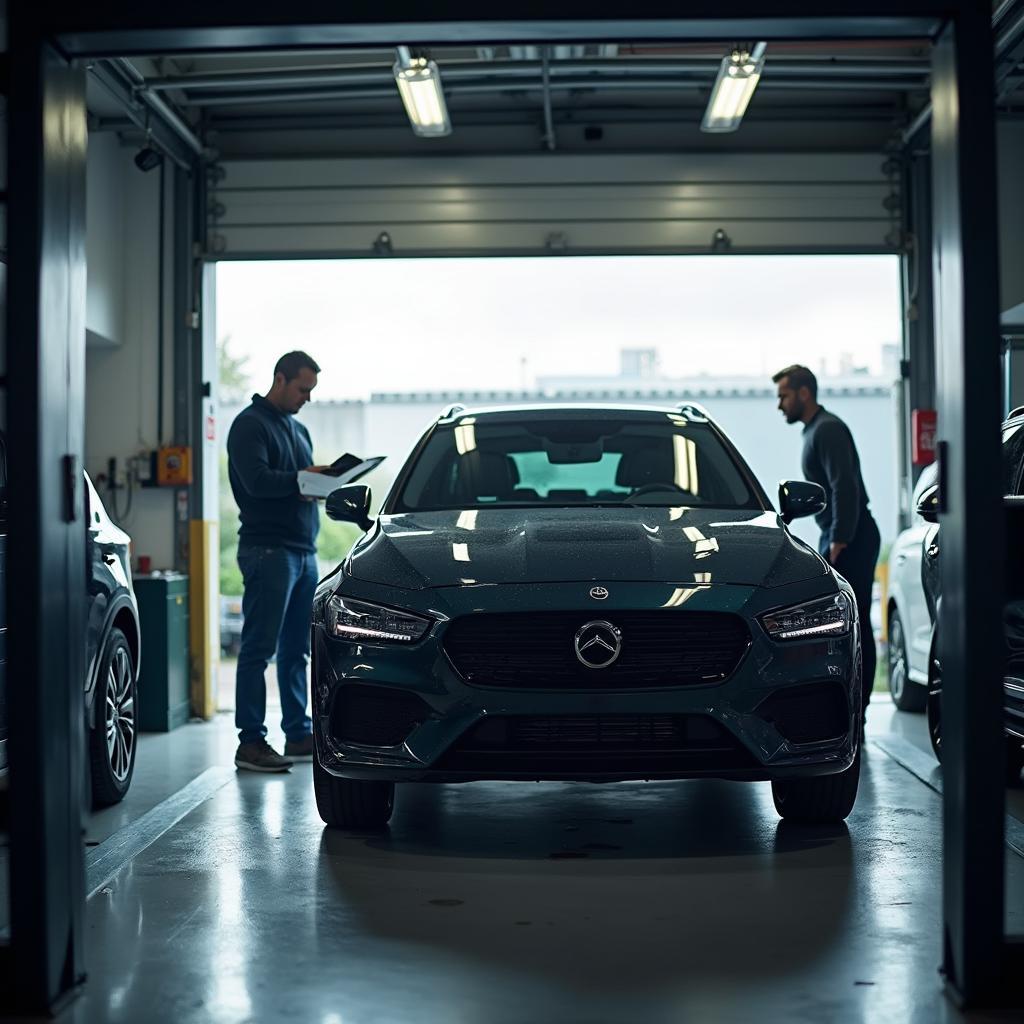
x=164 y=676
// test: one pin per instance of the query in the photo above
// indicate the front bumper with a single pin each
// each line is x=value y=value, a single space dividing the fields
x=718 y=730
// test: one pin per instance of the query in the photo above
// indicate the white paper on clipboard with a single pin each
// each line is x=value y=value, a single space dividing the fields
x=319 y=485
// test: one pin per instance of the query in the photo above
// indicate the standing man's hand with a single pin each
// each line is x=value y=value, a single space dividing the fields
x=312 y=469
x=834 y=551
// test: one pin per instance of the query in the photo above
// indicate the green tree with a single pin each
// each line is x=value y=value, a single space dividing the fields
x=234 y=381
x=230 y=574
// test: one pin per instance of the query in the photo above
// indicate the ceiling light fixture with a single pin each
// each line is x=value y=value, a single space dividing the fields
x=737 y=79
x=419 y=84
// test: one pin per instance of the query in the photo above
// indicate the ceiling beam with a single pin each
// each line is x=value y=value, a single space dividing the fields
x=704 y=68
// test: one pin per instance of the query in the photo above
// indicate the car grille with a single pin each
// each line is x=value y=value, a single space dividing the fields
x=535 y=650
x=596 y=744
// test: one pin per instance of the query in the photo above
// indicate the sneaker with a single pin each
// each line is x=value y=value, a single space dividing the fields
x=260 y=756
x=299 y=750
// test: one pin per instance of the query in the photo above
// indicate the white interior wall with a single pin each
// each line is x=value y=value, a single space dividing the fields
x=104 y=307
x=121 y=379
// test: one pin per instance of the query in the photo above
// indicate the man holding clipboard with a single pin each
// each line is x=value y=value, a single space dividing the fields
x=268 y=450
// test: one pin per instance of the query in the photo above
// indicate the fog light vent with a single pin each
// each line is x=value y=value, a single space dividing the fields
x=375 y=716
x=808 y=714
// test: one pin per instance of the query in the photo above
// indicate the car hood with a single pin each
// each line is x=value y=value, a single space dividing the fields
x=540 y=545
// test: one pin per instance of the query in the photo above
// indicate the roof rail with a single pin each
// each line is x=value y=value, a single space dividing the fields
x=450 y=410
x=693 y=411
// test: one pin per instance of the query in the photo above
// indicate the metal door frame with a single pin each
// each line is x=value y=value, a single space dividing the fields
x=46 y=383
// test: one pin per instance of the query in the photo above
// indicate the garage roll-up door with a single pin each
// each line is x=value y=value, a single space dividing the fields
x=536 y=204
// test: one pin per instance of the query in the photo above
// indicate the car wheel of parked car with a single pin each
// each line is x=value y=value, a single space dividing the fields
x=934 y=706
x=821 y=800
x=906 y=695
x=112 y=739
x=352 y=803
x=1014 y=761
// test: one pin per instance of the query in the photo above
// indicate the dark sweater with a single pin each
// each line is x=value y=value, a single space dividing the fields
x=266 y=449
x=830 y=458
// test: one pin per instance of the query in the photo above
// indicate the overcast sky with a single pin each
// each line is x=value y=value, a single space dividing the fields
x=414 y=325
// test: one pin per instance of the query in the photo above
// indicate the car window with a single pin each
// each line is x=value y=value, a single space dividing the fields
x=474 y=463
x=1013 y=456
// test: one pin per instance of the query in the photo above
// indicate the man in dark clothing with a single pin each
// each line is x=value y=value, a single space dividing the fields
x=267 y=447
x=849 y=534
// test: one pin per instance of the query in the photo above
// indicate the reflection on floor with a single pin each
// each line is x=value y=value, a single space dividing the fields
x=520 y=902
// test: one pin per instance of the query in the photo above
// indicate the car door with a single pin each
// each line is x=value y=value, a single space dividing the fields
x=106 y=571
x=1012 y=483
x=3 y=605
x=906 y=561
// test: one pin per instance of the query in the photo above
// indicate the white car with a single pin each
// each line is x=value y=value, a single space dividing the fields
x=908 y=614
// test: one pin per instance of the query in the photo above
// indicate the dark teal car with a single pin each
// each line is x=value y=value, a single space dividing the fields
x=582 y=593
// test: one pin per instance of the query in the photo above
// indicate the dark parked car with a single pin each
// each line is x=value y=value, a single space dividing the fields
x=112 y=652
x=1013 y=613
x=230 y=624
x=576 y=593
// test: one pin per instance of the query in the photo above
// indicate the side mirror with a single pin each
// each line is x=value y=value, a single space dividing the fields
x=799 y=498
x=350 y=504
x=928 y=504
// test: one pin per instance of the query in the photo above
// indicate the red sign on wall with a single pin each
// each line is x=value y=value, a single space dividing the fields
x=923 y=426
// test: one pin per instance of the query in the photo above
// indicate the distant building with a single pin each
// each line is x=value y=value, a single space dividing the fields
x=389 y=423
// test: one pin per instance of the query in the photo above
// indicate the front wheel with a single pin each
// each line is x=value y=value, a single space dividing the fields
x=352 y=803
x=112 y=739
x=822 y=800
x=934 y=705
x=1014 y=761
x=906 y=695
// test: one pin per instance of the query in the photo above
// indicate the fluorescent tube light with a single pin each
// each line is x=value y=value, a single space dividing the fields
x=419 y=85
x=737 y=79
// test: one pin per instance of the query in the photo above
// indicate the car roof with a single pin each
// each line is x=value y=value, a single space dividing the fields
x=563 y=410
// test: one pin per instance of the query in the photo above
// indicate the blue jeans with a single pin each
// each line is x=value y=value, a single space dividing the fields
x=276 y=607
x=857 y=563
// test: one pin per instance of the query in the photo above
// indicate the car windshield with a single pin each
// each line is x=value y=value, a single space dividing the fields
x=477 y=462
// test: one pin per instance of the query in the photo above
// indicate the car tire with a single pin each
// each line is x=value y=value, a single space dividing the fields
x=113 y=737
x=1014 y=762
x=352 y=803
x=906 y=695
x=822 y=800
x=934 y=705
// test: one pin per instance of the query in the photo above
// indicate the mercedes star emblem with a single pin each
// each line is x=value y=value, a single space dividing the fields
x=598 y=644
x=598 y=593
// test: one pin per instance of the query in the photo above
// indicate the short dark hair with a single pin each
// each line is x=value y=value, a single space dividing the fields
x=799 y=377
x=291 y=363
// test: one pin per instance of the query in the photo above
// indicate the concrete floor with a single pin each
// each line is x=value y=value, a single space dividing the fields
x=516 y=902
x=521 y=902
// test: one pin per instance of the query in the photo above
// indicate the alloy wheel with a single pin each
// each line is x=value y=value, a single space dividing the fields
x=935 y=705
x=897 y=656
x=120 y=715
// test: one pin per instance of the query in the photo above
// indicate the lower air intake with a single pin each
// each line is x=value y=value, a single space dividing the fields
x=375 y=716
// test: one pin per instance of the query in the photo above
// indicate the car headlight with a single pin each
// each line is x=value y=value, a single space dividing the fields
x=359 y=620
x=829 y=616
